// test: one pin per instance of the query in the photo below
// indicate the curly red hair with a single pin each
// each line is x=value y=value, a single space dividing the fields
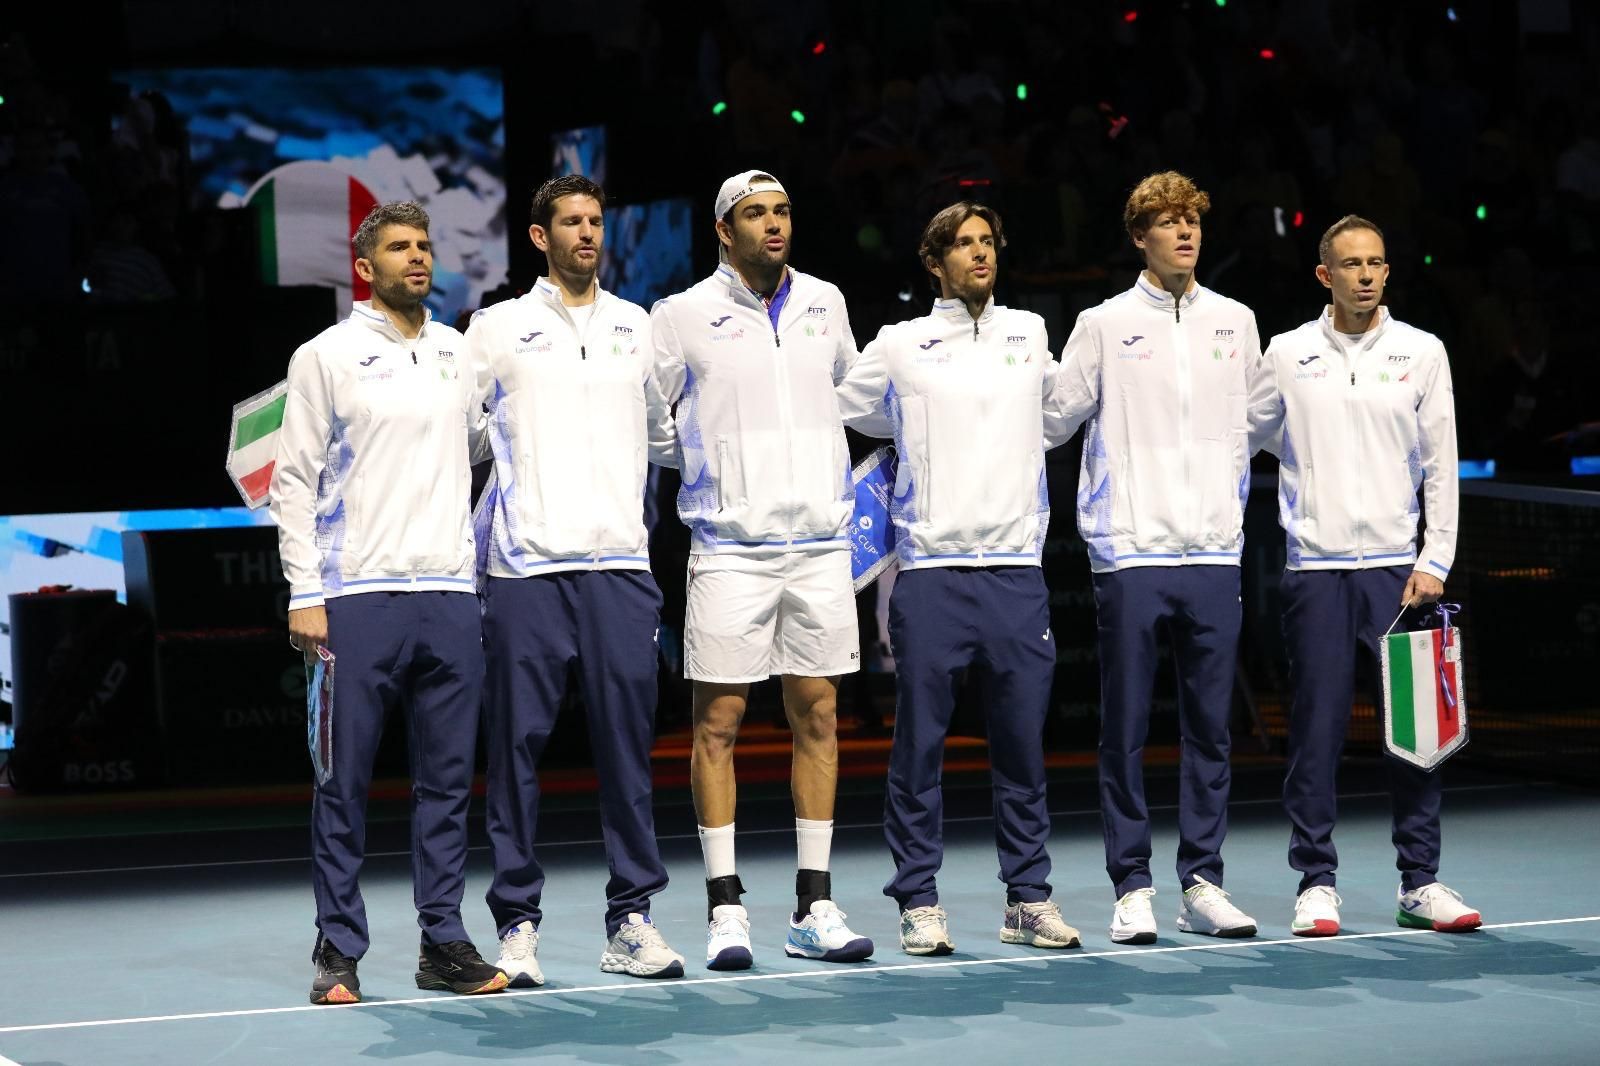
x=1165 y=191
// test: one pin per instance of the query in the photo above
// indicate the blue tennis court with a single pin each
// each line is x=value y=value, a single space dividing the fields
x=194 y=948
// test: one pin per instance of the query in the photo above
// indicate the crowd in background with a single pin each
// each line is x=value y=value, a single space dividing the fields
x=1470 y=134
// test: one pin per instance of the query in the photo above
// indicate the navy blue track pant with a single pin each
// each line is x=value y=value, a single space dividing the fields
x=424 y=652
x=997 y=621
x=1199 y=606
x=534 y=629
x=1328 y=615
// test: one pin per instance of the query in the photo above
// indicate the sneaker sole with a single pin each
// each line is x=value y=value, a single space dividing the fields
x=856 y=950
x=943 y=947
x=1027 y=936
x=335 y=996
x=1319 y=927
x=1464 y=924
x=522 y=978
x=432 y=982
x=612 y=963
x=1142 y=936
x=736 y=958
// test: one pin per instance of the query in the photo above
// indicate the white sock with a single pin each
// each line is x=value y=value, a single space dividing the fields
x=815 y=842
x=717 y=847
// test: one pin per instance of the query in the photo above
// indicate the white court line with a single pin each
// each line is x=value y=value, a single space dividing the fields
x=681 y=836
x=841 y=971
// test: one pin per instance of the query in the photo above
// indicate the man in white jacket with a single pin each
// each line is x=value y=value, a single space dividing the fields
x=573 y=415
x=369 y=491
x=751 y=356
x=1159 y=372
x=963 y=392
x=1359 y=409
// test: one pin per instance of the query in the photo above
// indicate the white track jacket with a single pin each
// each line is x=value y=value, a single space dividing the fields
x=964 y=400
x=1163 y=387
x=761 y=446
x=573 y=418
x=373 y=473
x=1356 y=438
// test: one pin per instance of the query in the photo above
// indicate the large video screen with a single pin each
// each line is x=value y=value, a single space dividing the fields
x=311 y=150
x=646 y=254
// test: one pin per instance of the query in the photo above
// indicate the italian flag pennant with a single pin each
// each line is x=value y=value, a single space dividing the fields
x=253 y=445
x=1424 y=697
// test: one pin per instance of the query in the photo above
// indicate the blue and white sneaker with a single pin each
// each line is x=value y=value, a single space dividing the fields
x=519 y=956
x=1436 y=907
x=638 y=950
x=728 y=938
x=823 y=935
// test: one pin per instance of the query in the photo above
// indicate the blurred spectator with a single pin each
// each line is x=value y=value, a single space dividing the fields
x=121 y=270
x=45 y=216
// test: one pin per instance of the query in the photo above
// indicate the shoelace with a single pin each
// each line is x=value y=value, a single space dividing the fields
x=1208 y=893
x=925 y=918
x=1430 y=890
x=830 y=918
x=1131 y=900
x=461 y=952
x=1044 y=909
x=335 y=961
x=729 y=925
x=520 y=944
x=643 y=935
x=1322 y=894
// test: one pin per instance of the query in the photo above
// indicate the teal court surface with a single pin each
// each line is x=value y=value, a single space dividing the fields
x=193 y=947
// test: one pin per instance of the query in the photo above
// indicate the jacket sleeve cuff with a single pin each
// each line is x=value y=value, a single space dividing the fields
x=305 y=596
x=1431 y=565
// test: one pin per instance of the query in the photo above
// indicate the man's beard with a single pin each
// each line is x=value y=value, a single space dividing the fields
x=573 y=267
x=395 y=293
x=757 y=257
x=973 y=289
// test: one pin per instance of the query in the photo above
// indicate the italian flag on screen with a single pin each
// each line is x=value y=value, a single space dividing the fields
x=1424 y=700
x=254 y=443
x=306 y=212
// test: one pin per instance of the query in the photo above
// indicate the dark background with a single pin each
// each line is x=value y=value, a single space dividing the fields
x=1392 y=110
x=1469 y=132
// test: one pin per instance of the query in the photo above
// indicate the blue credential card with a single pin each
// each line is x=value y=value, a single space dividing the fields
x=872 y=533
x=319 y=712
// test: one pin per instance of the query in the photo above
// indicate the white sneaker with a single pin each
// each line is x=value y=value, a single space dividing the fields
x=728 y=938
x=638 y=950
x=1316 y=912
x=1438 y=908
x=519 y=956
x=925 y=931
x=1039 y=924
x=1134 y=920
x=822 y=934
x=1206 y=910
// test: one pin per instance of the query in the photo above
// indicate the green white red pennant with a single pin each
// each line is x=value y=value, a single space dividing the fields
x=253 y=443
x=1425 y=705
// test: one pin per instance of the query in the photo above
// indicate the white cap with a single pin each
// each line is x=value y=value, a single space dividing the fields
x=739 y=186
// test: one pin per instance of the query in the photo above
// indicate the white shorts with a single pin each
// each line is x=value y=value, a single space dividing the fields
x=750 y=618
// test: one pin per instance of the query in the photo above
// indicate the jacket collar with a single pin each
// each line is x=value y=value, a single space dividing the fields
x=548 y=291
x=1149 y=294
x=737 y=289
x=1325 y=323
x=361 y=312
x=955 y=311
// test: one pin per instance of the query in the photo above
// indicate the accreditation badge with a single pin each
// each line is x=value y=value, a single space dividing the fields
x=872 y=533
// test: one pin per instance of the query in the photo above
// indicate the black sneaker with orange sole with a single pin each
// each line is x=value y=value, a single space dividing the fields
x=456 y=966
x=336 y=980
